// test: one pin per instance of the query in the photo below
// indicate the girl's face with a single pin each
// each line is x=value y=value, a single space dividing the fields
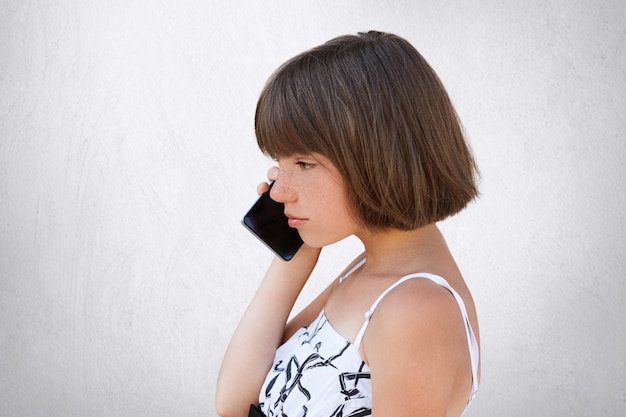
x=315 y=199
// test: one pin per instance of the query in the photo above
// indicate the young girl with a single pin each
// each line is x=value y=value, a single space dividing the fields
x=367 y=143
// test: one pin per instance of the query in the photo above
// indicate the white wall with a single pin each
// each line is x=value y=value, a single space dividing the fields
x=127 y=158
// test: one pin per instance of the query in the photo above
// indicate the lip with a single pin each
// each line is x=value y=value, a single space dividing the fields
x=295 y=221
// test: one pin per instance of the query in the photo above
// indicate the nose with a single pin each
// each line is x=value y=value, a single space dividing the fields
x=282 y=190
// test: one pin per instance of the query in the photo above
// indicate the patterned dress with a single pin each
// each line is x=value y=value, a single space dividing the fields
x=318 y=373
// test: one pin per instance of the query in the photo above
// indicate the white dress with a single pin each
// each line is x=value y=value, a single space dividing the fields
x=318 y=373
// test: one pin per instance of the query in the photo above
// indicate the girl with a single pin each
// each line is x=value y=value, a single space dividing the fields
x=367 y=143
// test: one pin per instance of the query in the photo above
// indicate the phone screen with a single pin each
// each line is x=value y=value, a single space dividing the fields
x=267 y=221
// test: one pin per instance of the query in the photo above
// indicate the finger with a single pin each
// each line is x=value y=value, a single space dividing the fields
x=272 y=173
x=262 y=188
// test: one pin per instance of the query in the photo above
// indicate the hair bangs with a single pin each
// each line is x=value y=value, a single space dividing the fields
x=281 y=124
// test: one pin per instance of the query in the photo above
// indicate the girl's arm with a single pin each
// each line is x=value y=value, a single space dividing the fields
x=260 y=332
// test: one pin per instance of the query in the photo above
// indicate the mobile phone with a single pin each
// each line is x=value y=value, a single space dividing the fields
x=267 y=221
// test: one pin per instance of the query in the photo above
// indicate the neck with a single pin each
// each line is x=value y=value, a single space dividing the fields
x=386 y=250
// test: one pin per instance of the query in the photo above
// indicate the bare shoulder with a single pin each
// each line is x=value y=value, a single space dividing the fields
x=416 y=348
x=417 y=308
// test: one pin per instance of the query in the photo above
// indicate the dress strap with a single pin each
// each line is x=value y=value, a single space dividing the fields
x=354 y=268
x=471 y=337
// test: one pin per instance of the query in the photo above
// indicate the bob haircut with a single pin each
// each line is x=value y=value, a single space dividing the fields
x=374 y=107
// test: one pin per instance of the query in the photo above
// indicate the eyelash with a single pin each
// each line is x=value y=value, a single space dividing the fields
x=305 y=165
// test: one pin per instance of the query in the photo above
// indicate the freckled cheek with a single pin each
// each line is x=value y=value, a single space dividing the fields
x=323 y=204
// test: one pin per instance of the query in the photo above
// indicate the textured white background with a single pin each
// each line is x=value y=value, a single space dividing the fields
x=127 y=158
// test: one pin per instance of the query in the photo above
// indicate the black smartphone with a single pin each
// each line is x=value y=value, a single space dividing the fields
x=266 y=220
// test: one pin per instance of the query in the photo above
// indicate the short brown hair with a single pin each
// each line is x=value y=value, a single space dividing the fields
x=372 y=105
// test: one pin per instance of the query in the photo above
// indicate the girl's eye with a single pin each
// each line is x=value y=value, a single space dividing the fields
x=305 y=165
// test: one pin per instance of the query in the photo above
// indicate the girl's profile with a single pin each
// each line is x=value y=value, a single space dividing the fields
x=367 y=144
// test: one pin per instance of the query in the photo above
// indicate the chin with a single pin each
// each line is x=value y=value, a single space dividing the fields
x=318 y=242
x=311 y=241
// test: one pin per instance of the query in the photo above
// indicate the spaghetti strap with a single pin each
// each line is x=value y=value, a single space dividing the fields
x=354 y=268
x=469 y=332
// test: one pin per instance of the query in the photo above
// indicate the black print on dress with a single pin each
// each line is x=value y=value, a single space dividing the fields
x=361 y=412
x=349 y=383
x=289 y=381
